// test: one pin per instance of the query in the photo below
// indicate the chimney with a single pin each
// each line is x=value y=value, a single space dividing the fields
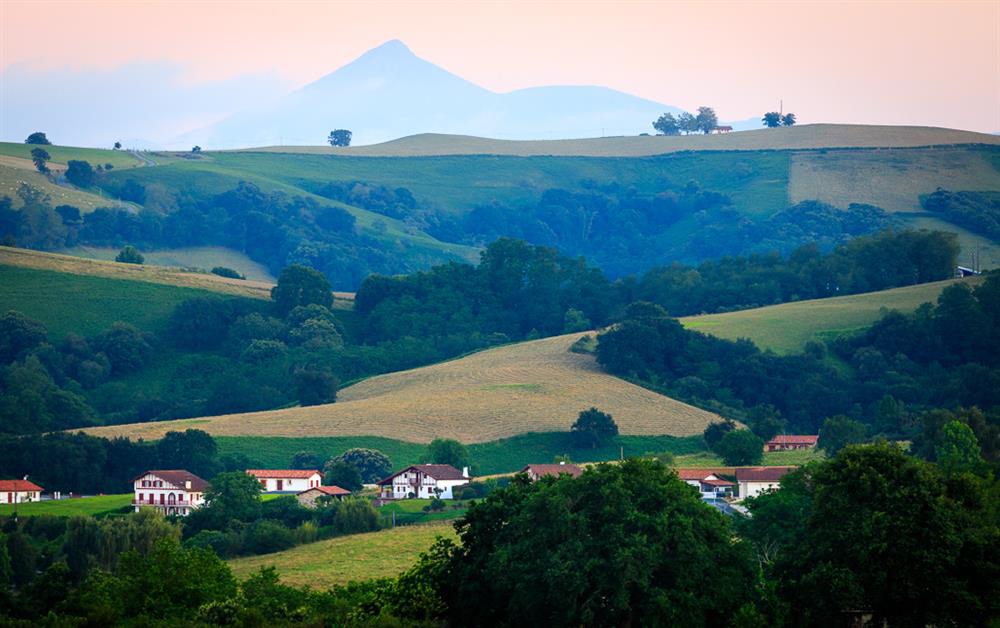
x=187 y=485
x=465 y=472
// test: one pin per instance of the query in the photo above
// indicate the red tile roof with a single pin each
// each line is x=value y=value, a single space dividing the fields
x=694 y=474
x=762 y=474
x=542 y=470
x=328 y=490
x=794 y=439
x=436 y=471
x=283 y=473
x=717 y=482
x=19 y=486
x=178 y=477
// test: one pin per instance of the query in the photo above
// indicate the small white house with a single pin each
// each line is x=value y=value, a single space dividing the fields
x=286 y=480
x=756 y=480
x=423 y=481
x=172 y=492
x=19 y=491
x=539 y=471
x=709 y=484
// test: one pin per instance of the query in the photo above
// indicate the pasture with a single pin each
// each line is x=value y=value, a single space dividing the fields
x=806 y=136
x=786 y=328
x=344 y=559
x=470 y=399
x=15 y=172
x=62 y=154
x=76 y=506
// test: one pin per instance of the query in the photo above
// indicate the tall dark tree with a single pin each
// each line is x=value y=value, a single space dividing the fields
x=40 y=157
x=706 y=120
x=715 y=431
x=372 y=464
x=316 y=386
x=130 y=255
x=193 y=450
x=593 y=428
x=80 y=173
x=300 y=286
x=37 y=138
x=740 y=448
x=771 y=119
x=667 y=125
x=838 y=432
x=339 y=137
x=788 y=119
x=18 y=333
x=447 y=451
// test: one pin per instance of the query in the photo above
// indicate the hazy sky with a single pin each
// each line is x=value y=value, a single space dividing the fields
x=929 y=63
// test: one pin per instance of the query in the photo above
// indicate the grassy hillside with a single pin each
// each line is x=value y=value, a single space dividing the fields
x=344 y=559
x=536 y=386
x=14 y=172
x=195 y=257
x=62 y=154
x=804 y=136
x=87 y=304
x=76 y=266
x=787 y=327
x=500 y=456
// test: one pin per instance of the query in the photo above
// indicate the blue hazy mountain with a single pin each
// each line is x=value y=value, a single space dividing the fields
x=389 y=92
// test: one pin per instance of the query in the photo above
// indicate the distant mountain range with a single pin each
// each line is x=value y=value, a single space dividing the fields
x=389 y=92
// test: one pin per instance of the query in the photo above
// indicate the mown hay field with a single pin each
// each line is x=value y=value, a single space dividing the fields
x=786 y=328
x=537 y=386
x=344 y=559
x=806 y=136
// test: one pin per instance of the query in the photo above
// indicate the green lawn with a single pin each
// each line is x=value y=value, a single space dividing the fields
x=771 y=459
x=786 y=328
x=502 y=456
x=93 y=506
x=344 y=559
x=87 y=305
x=411 y=511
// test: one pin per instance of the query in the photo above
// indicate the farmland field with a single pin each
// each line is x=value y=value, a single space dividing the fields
x=500 y=456
x=14 y=172
x=805 y=136
x=787 y=327
x=200 y=257
x=62 y=154
x=344 y=559
x=97 y=505
x=478 y=398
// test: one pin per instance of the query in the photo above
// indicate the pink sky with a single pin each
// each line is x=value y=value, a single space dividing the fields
x=930 y=63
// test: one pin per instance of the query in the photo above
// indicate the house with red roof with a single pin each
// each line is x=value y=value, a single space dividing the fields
x=423 y=481
x=171 y=491
x=538 y=471
x=19 y=491
x=286 y=480
x=753 y=481
x=312 y=497
x=709 y=484
x=788 y=442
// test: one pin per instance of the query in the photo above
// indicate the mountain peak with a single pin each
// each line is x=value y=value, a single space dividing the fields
x=391 y=48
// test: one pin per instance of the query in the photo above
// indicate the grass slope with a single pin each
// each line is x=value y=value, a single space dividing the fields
x=787 y=327
x=804 y=136
x=62 y=154
x=537 y=386
x=500 y=456
x=87 y=304
x=87 y=506
x=344 y=559
x=193 y=257
x=14 y=172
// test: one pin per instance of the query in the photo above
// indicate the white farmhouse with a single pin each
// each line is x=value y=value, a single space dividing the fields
x=423 y=481
x=286 y=480
x=756 y=480
x=19 y=491
x=172 y=492
x=708 y=483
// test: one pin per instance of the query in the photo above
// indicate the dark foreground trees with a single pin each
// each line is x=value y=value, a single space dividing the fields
x=879 y=532
x=626 y=544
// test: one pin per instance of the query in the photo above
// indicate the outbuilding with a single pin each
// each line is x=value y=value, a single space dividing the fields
x=19 y=491
x=309 y=497
x=286 y=480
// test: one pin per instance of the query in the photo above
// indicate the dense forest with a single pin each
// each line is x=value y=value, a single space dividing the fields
x=976 y=211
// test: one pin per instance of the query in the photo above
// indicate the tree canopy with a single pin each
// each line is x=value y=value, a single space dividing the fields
x=301 y=286
x=593 y=428
x=339 y=137
x=37 y=138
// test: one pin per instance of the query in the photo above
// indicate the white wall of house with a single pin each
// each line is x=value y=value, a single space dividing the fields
x=155 y=492
x=422 y=486
x=753 y=489
x=19 y=497
x=286 y=485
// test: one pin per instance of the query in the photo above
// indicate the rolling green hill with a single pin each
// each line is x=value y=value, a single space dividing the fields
x=786 y=328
